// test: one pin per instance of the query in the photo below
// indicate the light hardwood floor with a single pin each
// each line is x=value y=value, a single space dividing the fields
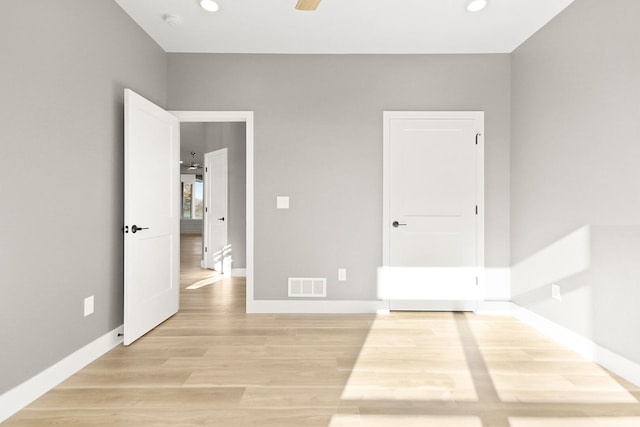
x=214 y=365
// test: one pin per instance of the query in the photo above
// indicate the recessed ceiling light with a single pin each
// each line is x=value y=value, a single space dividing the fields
x=476 y=5
x=209 y=5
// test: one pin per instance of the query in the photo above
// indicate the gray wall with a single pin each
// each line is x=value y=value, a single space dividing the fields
x=191 y=141
x=233 y=137
x=64 y=67
x=574 y=163
x=318 y=139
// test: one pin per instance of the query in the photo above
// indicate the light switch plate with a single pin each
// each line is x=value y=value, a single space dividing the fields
x=282 y=202
x=342 y=274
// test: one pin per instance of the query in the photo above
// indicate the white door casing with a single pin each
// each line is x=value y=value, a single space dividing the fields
x=216 y=217
x=151 y=202
x=433 y=190
x=247 y=118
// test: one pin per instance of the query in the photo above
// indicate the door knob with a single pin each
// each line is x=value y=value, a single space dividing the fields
x=396 y=224
x=221 y=219
x=135 y=228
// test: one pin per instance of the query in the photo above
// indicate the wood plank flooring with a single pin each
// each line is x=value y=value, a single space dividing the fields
x=214 y=365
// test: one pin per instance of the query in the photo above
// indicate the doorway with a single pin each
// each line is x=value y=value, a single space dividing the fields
x=245 y=117
x=433 y=210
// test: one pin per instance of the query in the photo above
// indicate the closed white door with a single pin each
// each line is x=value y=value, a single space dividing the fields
x=432 y=217
x=217 y=252
x=151 y=215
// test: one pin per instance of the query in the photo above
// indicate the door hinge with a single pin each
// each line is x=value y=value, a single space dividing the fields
x=206 y=209
x=477 y=136
x=476 y=209
x=205 y=249
x=476 y=280
x=207 y=169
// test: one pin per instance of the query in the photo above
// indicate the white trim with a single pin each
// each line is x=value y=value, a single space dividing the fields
x=495 y=308
x=22 y=395
x=387 y=116
x=386 y=190
x=247 y=118
x=614 y=362
x=238 y=272
x=497 y=284
x=434 y=305
x=321 y=307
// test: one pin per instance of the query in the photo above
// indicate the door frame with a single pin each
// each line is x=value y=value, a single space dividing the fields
x=387 y=117
x=247 y=118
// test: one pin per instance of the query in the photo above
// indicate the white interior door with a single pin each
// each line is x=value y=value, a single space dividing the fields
x=217 y=250
x=151 y=215
x=432 y=220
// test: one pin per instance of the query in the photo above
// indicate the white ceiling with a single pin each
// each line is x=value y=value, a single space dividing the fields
x=343 y=26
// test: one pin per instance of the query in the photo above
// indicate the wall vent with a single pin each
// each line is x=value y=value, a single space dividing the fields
x=307 y=287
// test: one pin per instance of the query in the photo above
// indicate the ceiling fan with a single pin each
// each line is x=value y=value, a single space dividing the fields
x=307 y=4
x=193 y=165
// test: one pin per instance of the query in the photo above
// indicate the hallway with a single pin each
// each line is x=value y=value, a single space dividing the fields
x=213 y=365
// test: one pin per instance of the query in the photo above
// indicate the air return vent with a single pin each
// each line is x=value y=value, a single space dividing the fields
x=307 y=287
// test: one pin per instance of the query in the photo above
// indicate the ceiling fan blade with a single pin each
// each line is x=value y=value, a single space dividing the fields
x=307 y=4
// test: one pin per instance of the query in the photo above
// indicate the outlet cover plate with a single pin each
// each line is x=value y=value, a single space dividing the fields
x=88 y=306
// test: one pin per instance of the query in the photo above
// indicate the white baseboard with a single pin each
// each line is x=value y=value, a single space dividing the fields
x=316 y=307
x=22 y=395
x=497 y=284
x=495 y=308
x=238 y=272
x=614 y=362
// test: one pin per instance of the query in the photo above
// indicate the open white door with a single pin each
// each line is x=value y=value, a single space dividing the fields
x=151 y=216
x=433 y=216
x=217 y=252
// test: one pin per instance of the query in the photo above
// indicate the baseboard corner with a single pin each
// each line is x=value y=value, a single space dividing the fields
x=238 y=272
x=614 y=362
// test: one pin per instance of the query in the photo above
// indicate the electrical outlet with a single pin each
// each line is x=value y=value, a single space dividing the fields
x=342 y=274
x=555 y=292
x=88 y=306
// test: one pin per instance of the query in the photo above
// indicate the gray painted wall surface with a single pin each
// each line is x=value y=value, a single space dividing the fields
x=318 y=139
x=64 y=67
x=574 y=163
x=233 y=137
x=191 y=140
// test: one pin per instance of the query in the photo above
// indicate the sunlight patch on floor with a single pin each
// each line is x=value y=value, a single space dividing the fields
x=414 y=364
x=206 y=282
x=402 y=420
